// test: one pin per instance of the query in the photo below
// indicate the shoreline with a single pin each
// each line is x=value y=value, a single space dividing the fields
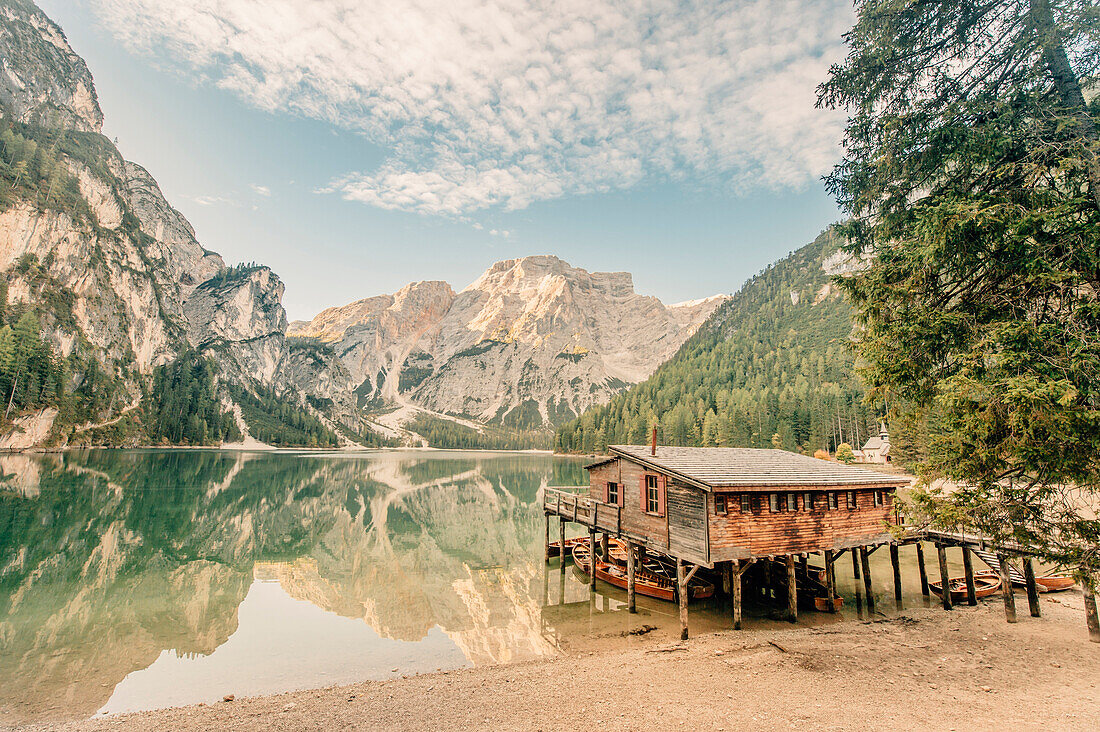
x=923 y=669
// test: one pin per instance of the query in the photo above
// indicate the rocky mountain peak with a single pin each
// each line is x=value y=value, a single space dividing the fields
x=42 y=80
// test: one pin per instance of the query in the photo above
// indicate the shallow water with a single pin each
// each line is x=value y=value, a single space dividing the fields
x=133 y=580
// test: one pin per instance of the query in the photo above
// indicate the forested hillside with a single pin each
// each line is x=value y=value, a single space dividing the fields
x=770 y=368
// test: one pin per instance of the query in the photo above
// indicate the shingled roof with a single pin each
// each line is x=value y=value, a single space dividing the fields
x=735 y=467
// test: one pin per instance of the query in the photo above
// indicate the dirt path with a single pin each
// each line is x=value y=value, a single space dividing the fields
x=965 y=670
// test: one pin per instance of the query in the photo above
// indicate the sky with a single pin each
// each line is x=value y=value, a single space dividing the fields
x=358 y=145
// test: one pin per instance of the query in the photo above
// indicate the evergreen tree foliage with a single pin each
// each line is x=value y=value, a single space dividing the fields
x=449 y=435
x=278 y=422
x=183 y=406
x=770 y=368
x=972 y=177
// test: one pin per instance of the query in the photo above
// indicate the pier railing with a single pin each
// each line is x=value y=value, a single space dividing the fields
x=583 y=509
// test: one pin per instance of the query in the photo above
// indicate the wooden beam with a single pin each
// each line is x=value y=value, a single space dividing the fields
x=682 y=596
x=592 y=558
x=830 y=580
x=1091 y=619
x=546 y=553
x=968 y=571
x=691 y=573
x=631 y=569
x=945 y=580
x=604 y=548
x=792 y=591
x=865 y=560
x=895 y=563
x=561 y=534
x=1006 y=589
x=735 y=591
x=855 y=563
x=1032 y=589
x=923 y=571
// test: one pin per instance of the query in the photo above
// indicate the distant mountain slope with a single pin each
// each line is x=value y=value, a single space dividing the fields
x=771 y=366
x=532 y=342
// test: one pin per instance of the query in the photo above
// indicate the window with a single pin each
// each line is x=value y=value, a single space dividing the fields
x=792 y=501
x=851 y=500
x=746 y=503
x=878 y=498
x=719 y=504
x=613 y=493
x=807 y=501
x=652 y=495
x=832 y=500
x=773 y=502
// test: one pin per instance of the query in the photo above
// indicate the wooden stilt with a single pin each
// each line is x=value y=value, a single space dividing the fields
x=631 y=569
x=792 y=591
x=561 y=588
x=855 y=563
x=547 y=553
x=805 y=562
x=1006 y=589
x=830 y=579
x=865 y=560
x=592 y=558
x=1087 y=588
x=561 y=539
x=923 y=571
x=895 y=563
x=968 y=571
x=735 y=588
x=682 y=596
x=603 y=547
x=1032 y=589
x=945 y=580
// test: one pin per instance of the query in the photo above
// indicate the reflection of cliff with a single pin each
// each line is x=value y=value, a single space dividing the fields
x=109 y=558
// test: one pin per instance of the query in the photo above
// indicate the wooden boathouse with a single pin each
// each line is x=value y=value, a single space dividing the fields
x=725 y=508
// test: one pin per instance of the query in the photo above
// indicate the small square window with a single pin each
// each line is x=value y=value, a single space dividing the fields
x=746 y=503
x=720 y=504
x=807 y=501
x=773 y=502
x=652 y=495
x=852 y=501
x=792 y=501
x=613 y=493
x=832 y=501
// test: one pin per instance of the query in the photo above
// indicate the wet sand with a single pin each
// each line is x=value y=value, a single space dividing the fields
x=966 y=669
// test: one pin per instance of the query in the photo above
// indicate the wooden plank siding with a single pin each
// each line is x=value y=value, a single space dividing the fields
x=737 y=535
x=687 y=522
x=630 y=478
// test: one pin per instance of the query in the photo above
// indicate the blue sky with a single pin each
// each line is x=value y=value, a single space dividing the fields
x=355 y=146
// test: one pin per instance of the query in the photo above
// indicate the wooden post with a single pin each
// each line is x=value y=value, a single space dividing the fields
x=792 y=591
x=1006 y=589
x=865 y=559
x=547 y=553
x=682 y=596
x=805 y=562
x=604 y=552
x=592 y=558
x=855 y=564
x=735 y=587
x=630 y=571
x=945 y=580
x=923 y=571
x=830 y=580
x=968 y=570
x=1032 y=589
x=895 y=563
x=1091 y=619
x=561 y=539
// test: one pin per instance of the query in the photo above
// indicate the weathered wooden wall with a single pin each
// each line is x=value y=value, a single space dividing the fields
x=738 y=535
x=634 y=521
x=687 y=522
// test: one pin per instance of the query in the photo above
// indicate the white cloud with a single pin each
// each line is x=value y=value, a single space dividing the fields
x=500 y=103
x=260 y=190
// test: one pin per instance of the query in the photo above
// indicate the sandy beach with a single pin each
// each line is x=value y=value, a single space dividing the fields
x=966 y=670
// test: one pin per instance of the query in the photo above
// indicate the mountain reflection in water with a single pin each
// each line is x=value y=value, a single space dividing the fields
x=117 y=564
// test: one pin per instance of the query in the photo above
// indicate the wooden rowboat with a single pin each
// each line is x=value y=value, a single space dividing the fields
x=1054 y=583
x=555 y=546
x=648 y=580
x=985 y=584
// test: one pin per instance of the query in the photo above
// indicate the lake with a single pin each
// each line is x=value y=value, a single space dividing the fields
x=133 y=580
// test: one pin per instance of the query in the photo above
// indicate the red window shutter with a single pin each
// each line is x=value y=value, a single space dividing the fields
x=662 y=488
x=606 y=491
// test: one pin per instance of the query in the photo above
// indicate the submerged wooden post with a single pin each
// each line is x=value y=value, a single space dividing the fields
x=1006 y=589
x=792 y=591
x=830 y=580
x=865 y=559
x=945 y=580
x=547 y=552
x=968 y=570
x=735 y=591
x=1032 y=589
x=631 y=569
x=895 y=562
x=592 y=558
x=561 y=538
x=682 y=596
x=923 y=571
x=1091 y=619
